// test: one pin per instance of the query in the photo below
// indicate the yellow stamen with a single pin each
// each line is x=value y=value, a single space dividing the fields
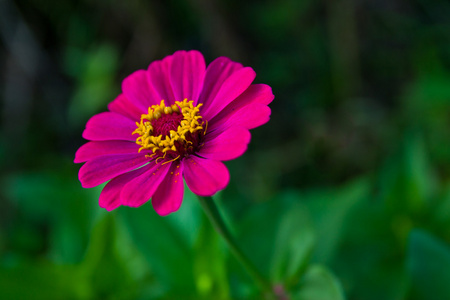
x=206 y=127
x=192 y=122
x=170 y=160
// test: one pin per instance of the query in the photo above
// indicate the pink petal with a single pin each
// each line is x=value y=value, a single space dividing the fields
x=216 y=74
x=122 y=105
x=205 y=176
x=158 y=74
x=110 y=195
x=109 y=126
x=233 y=86
x=256 y=93
x=104 y=168
x=141 y=189
x=228 y=145
x=169 y=195
x=186 y=74
x=139 y=90
x=249 y=117
x=93 y=150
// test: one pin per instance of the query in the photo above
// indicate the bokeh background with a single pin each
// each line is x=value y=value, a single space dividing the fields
x=344 y=194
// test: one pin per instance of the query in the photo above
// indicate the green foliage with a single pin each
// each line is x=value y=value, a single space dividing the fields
x=318 y=284
x=94 y=71
x=164 y=247
x=330 y=211
x=210 y=264
x=407 y=183
x=293 y=247
x=43 y=280
x=115 y=269
x=53 y=199
x=428 y=266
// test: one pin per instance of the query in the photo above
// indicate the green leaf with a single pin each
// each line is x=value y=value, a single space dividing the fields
x=210 y=264
x=95 y=80
x=318 y=284
x=112 y=264
x=43 y=281
x=165 y=247
x=259 y=227
x=293 y=246
x=112 y=269
x=329 y=210
x=440 y=211
x=407 y=179
x=188 y=219
x=429 y=266
x=54 y=198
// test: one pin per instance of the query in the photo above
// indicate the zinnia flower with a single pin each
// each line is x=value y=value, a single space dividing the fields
x=177 y=119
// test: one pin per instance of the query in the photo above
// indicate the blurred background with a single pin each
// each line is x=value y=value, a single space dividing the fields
x=344 y=194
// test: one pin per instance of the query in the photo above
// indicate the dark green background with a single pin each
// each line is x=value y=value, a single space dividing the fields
x=351 y=176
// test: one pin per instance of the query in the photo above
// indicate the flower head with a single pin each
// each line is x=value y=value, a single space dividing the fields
x=177 y=119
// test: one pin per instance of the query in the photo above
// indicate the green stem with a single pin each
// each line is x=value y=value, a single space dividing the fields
x=214 y=216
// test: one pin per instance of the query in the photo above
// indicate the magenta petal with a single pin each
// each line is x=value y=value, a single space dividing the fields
x=93 y=150
x=169 y=195
x=233 y=86
x=228 y=145
x=110 y=195
x=205 y=176
x=122 y=105
x=138 y=89
x=256 y=93
x=104 y=168
x=109 y=126
x=249 y=117
x=141 y=189
x=186 y=75
x=158 y=75
x=216 y=74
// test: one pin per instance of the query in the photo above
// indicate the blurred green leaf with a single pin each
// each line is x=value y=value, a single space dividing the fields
x=407 y=181
x=43 y=281
x=318 y=284
x=188 y=219
x=427 y=97
x=95 y=80
x=258 y=229
x=210 y=264
x=293 y=246
x=441 y=209
x=329 y=210
x=53 y=198
x=164 y=246
x=426 y=102
x=112 y=269
x=112 y=263
x=429 y=266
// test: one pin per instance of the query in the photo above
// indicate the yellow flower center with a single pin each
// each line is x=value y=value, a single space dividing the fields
x=171 y=131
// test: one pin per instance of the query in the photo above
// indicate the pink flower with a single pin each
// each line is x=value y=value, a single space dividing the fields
x=177 y=119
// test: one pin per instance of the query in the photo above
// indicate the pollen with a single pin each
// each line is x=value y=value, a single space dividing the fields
x=170 y=132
